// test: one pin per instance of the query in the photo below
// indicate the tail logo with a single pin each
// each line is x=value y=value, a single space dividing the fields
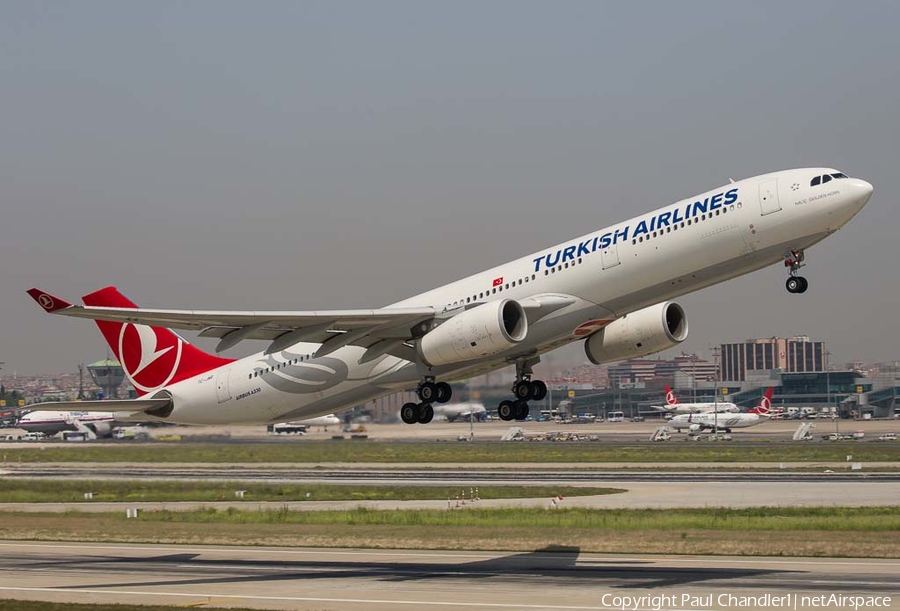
x=670 y=398
x=45 y=301
x=150 y=358
x=764 y=405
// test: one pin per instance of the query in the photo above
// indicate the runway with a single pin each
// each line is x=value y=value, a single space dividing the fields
x=273 y=578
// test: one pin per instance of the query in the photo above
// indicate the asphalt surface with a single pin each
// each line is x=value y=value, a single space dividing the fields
x=272 y=578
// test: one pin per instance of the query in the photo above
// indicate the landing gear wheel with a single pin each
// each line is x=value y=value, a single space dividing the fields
x=793 y=284
x=410 y=413
x=444 y=392
x=506 y=410
x=426 y=413
x=540 y=390
x=521 y=410
x=804 y=284
x=427 y=392
x=524 y=390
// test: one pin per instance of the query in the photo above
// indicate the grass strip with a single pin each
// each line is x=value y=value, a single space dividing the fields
x=64 y=491
x=826 y=519
x=319 y=452
x=824 y=531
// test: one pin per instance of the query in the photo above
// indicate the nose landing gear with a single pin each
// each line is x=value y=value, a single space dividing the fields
x=795 y=283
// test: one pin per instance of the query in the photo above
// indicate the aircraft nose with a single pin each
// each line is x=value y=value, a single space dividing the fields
x=861 y=191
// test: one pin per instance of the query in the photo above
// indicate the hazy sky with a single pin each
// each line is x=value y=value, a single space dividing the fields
x=304 y=155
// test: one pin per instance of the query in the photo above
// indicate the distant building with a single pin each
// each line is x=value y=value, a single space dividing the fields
x=792 y=355
x=645 y=370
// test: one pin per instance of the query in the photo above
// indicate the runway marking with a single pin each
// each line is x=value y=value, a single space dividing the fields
x=875 y=562
x=379 y=601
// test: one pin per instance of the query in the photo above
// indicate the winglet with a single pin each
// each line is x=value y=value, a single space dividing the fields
x=47 y=301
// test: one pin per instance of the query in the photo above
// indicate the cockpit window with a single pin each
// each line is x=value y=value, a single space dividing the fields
x=821 y=180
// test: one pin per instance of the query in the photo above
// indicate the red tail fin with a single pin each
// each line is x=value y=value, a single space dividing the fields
x=152 y=357
x=671 y=399
x=765 y=404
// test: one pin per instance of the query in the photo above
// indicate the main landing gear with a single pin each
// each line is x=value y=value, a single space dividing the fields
x=525 y=389
x=794 y=260
x=429 y=392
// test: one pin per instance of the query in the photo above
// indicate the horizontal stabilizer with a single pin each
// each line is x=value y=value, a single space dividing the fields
x=49 y=302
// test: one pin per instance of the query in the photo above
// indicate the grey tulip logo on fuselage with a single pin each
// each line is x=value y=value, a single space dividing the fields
x=296 y=376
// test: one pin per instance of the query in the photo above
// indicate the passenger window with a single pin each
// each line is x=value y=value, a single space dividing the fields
x=815 y=181
x=826 y=178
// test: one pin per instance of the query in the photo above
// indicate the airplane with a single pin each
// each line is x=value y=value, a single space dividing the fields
x=323 y=421
x=696 y=423
x=300 y=426
x=674 y=407
x=53 y=422
x=460 y=411
x=611 y=289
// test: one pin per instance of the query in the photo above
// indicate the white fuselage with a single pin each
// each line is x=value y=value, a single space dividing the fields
x=324 y=421
x=51 y=423
x=712 y=420
x=697 y=408
x=454 y=411
x=685 y=246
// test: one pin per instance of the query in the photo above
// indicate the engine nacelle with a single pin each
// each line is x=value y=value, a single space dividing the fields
x=638 y=334
x=101 y=429
x=695 y=428
x=485 y=330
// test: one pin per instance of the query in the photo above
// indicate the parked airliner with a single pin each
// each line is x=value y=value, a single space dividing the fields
x=673 y=406
x=52 y=422
x=610 y=289
x=712 y=421
x=459 y=411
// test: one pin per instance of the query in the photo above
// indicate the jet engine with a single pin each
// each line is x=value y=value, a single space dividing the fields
x=101 y=429
x=485 y=330
x=695 y=428
x=640 y=333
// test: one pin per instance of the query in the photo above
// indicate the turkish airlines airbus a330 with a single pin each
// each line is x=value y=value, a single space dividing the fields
x=610 y=289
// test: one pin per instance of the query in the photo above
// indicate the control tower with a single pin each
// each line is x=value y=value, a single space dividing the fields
x=108 y=375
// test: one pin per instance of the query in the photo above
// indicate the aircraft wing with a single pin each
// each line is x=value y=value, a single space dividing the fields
x=112 y=405
x=387 y=327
